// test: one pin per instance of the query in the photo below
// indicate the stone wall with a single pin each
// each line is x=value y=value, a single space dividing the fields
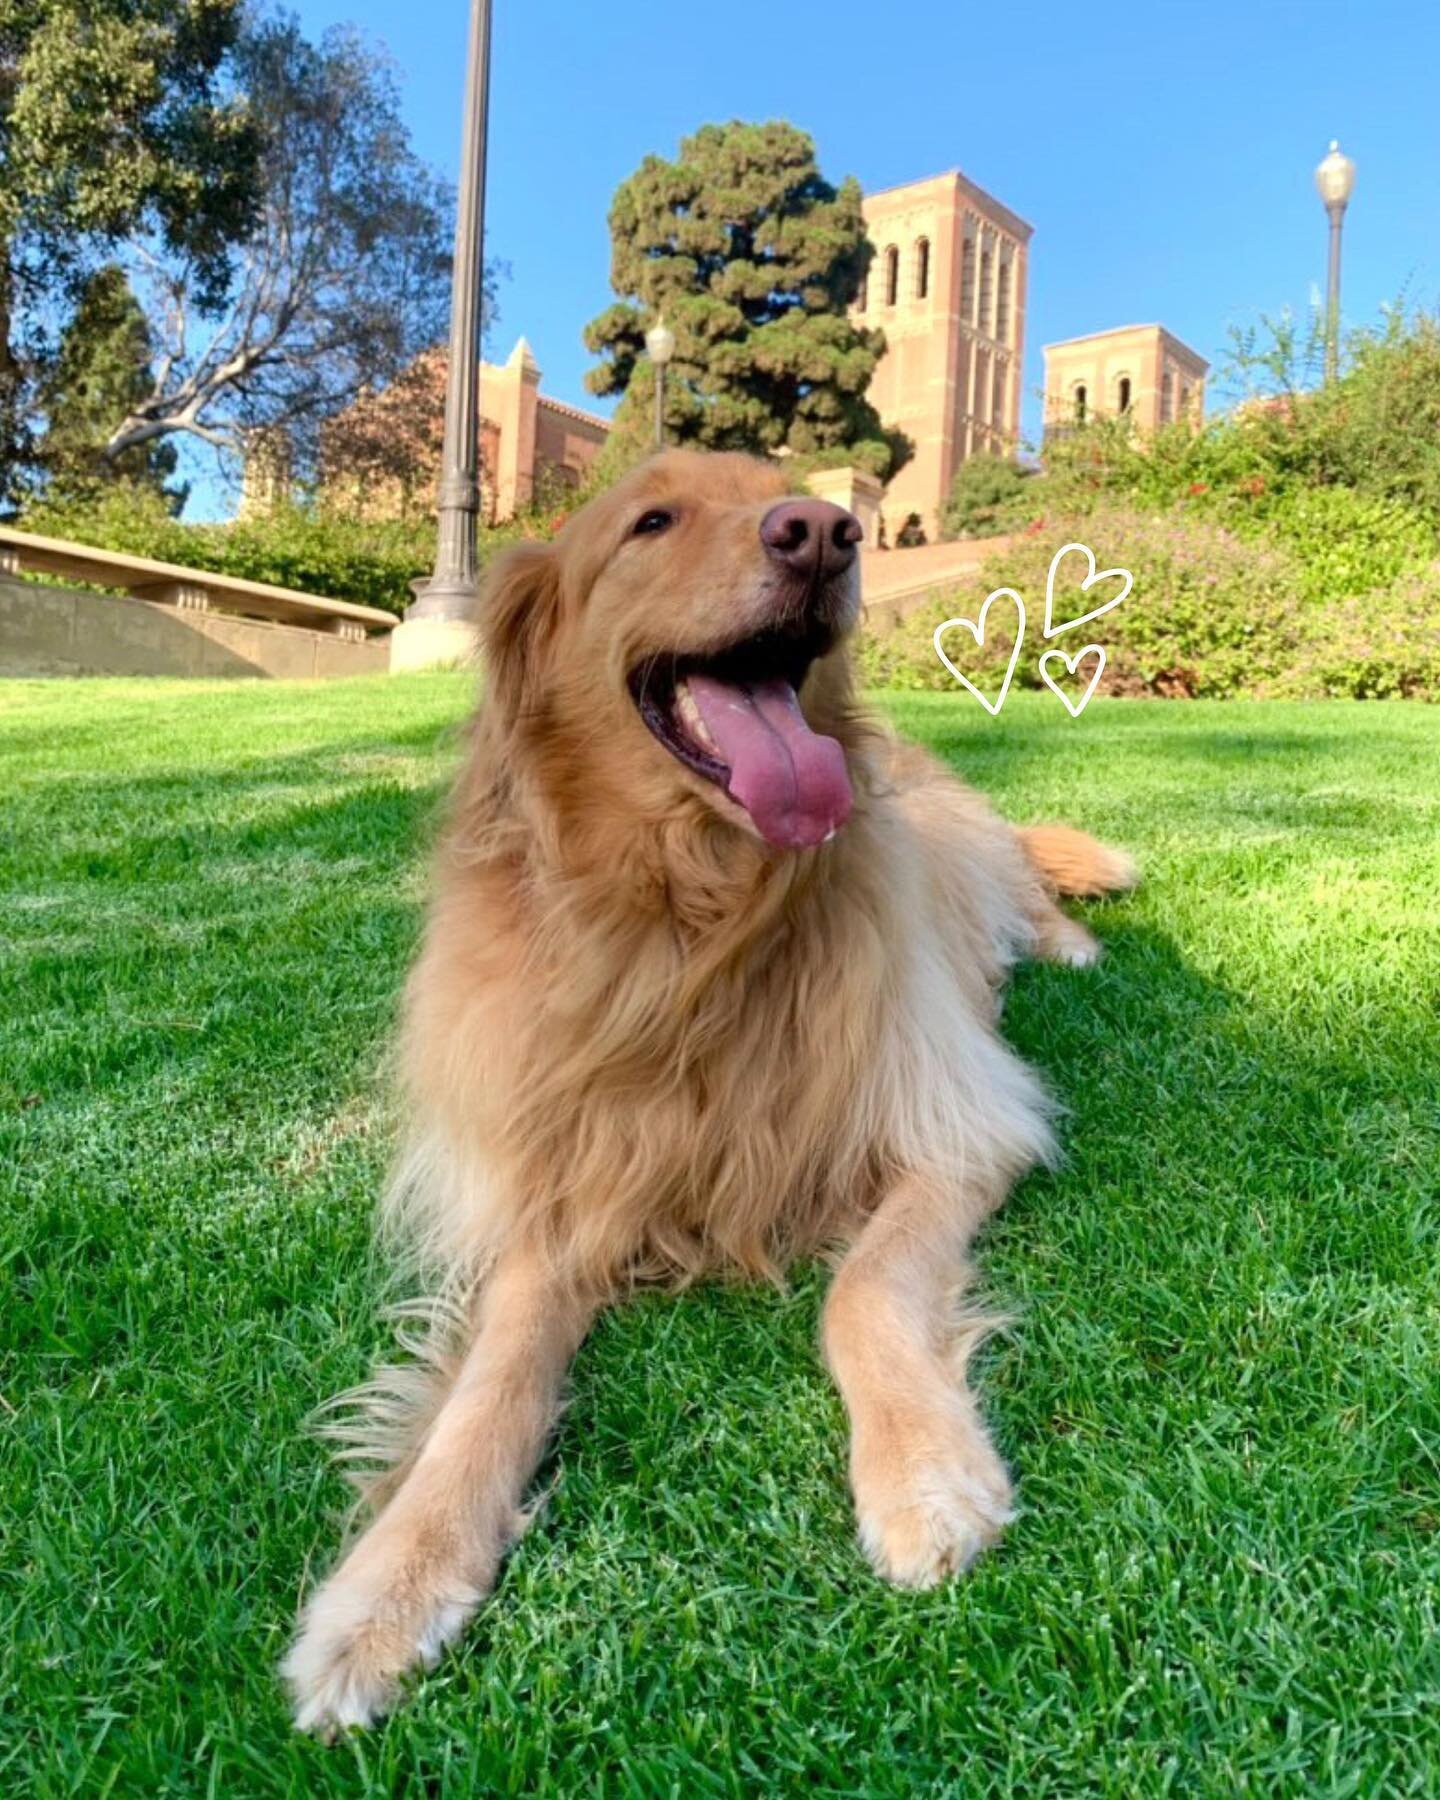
x=65 y=631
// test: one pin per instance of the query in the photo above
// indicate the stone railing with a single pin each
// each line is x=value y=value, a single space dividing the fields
x=191 y=590
x=897 y=582
x=168 y=620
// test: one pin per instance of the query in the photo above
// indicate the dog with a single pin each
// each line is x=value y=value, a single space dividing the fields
x=710 y=982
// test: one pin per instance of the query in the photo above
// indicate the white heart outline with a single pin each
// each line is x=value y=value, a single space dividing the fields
x=1070 y=662
x=977 y=631
x=1089 y=582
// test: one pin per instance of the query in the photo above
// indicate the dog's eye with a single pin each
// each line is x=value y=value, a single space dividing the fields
x=649 y=523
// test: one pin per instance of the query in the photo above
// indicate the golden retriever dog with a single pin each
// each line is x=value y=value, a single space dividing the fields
x=711 y=981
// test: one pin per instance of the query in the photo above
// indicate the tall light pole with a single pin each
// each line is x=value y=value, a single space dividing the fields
x=660 y=342
x=1335 y=179
x=450 y=592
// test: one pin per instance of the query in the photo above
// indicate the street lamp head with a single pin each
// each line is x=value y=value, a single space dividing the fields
x=1335 y=178
x=660 y=342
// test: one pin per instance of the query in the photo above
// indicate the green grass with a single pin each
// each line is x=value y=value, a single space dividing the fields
x=1220 y=1396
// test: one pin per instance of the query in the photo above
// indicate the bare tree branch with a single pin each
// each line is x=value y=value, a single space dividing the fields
x=345 y=279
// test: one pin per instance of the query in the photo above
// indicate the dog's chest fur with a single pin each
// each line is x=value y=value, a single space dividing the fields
x=724 y=1082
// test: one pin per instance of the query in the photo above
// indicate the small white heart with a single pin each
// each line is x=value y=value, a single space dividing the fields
x=1053 y=630
x=977 y=631
x=1074 y=708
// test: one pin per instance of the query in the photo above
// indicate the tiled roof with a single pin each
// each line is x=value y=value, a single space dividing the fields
x=575 y=412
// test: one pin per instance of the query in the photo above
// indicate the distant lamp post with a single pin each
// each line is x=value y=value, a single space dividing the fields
x=660 y=342
x=443 y=612
x=1335 y=179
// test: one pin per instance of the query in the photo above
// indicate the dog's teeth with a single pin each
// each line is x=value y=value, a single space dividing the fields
x=690 y=718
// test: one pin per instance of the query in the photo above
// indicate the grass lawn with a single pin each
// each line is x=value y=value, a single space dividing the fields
x=1220 y=1395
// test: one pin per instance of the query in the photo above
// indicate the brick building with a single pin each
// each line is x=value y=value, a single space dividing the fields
x=947 y=287
x=1143 y=371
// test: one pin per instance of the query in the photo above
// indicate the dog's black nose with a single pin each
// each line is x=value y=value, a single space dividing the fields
x=811 y=536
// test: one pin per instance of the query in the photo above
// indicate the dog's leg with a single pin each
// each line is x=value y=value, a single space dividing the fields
x=930 y=1490
x=421 y=1569
x=1073 y=863
x=1061 y=939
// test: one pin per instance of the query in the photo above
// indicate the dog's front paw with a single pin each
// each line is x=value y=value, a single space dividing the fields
x=933 y=1519
x=1065 y=940
x=367 y=1628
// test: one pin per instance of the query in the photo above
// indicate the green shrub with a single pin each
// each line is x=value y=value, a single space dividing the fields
x=1376 y=429
x=1346 y=542
x=1208 y=616
x=989 y=495
x=1384 y=645
x=371 y=562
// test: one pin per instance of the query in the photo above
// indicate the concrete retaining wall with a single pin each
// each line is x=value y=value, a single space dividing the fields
x=63 y=631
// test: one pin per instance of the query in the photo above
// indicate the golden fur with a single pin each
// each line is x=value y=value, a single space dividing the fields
x=642 y=1044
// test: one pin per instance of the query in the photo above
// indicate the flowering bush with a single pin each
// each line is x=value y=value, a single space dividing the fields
x=1384 y=645
x=1210 y=616
x=989 y=495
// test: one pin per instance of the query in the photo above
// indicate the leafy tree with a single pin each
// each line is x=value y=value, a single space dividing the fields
x=343 y=280
x=98 y=374
x=380 y=457
x=989 y=495
x=753 y=258
x=115 y=119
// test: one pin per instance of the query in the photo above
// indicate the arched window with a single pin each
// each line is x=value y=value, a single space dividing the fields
x=922 y=268
x=1167 y=398
x=1002 y=304
x=1184 y=400
x=967 y=281
x=862 y=299
x=892 y=276
x=1080 y=397
x=1122 y=394
x=987 y=288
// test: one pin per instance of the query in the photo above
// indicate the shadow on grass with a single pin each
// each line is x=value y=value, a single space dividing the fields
x=1218 y=1163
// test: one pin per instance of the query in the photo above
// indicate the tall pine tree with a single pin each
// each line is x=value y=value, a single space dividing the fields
x=753 y=258
x=101 y=370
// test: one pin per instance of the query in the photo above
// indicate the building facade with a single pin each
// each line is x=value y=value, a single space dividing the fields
x=380 y=458
x=1142 y=371
x=529 y=443
x=947 y=286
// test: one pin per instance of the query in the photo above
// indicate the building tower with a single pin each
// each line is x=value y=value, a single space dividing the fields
x=947 y=287
x=1143 y=371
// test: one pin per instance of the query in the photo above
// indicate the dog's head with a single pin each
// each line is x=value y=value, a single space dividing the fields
x=682 y=635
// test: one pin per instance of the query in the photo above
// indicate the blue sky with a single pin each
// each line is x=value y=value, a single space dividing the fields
x=1163 y=152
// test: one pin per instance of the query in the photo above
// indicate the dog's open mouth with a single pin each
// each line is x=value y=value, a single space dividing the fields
x=734 y=717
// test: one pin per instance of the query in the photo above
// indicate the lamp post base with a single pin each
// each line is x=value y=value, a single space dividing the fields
x=432 y=644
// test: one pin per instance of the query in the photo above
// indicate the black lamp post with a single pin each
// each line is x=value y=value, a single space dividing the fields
x=450 y=592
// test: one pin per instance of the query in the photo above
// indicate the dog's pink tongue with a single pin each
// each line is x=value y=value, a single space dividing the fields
x=791 y=781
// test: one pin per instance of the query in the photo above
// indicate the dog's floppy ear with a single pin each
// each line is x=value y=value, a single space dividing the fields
x=519 y=606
